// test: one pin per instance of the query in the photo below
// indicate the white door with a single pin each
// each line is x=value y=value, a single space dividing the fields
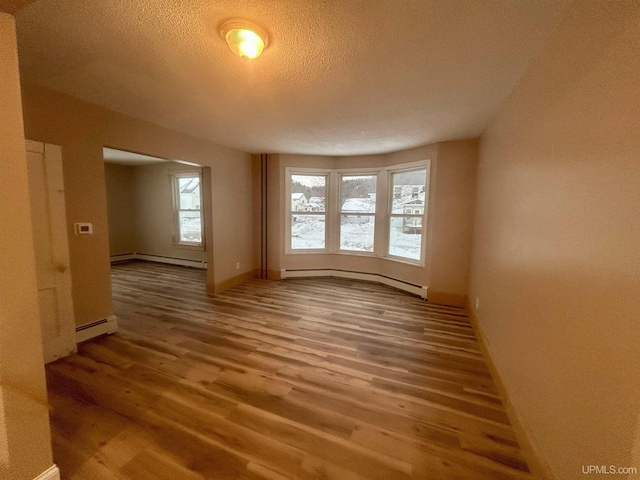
x=46 y=191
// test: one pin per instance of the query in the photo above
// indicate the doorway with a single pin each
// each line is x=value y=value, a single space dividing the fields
x=158 y=209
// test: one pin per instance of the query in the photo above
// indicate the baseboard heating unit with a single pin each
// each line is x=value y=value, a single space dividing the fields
x=419 y=290
x=126 y=257
x=97 y=328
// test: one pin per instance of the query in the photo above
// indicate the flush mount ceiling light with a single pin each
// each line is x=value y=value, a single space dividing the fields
x=245 y=39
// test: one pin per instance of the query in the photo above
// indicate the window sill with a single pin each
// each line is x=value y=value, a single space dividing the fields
x=391 y=258
x=188 y=246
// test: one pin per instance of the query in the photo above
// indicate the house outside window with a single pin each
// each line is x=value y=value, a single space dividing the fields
x=307 y=218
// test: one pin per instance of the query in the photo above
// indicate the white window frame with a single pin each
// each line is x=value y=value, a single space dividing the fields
x=405 y=168
x=175 y=187
x=289 y=173
x=383 y=214
x=340 y=174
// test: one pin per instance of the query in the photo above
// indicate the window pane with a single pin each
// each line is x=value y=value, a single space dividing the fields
x=189 y=188
x=357 y=232
x=190 y=227
x=405 y=237
x=307 y=231
x=405 y=233
x=358 y=193
x=308 y=193
x=409 y=191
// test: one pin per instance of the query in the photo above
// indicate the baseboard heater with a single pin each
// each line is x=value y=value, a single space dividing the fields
x=126 y=257
x=97 y=328
x=51 y=473
x=419 y=290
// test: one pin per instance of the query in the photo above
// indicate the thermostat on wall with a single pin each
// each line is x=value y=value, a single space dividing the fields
x=83 y=228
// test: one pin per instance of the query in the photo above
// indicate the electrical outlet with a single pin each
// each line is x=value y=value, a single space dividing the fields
x=237 y=265
x=477 y=303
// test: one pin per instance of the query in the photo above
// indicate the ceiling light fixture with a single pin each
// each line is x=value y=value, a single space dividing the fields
x=244 y=39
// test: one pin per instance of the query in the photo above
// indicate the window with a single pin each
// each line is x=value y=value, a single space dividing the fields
x=407 y=213
x=188 y=212
x=357 y=212
x=344 y=211
x=308 y=212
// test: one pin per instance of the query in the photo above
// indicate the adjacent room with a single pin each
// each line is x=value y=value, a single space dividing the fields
x=390 y=239
x=155 y=209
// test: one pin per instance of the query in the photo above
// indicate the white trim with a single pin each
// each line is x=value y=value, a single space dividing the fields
x=382 y=215
x=123 y=257
x=419 y=290
x=159 y=259
x=426 y=214
x=92 y=330
x=172 y=261
x=176 y=174
x=51 y=473
x=289 y=172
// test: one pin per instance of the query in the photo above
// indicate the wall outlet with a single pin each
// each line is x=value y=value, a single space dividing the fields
x=477 y=303
x=237 y=265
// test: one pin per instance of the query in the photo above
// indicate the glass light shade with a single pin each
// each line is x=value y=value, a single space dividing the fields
x=244 y=39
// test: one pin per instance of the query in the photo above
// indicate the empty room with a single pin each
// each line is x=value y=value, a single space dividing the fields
x=301 y=239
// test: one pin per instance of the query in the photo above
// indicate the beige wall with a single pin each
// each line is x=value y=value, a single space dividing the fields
x=25 y=442
x=120 y=208
x=451 y=197
x=83 y=130
x=140 y=210
x=454 y=201
x=153 y=207
x=556 y=258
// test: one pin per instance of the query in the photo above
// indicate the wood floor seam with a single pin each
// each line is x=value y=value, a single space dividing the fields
x=313 y=379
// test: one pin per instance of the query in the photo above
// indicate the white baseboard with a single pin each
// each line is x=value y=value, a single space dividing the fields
x=51 y=473
x=419 y=290
x=160 y=259
x=125 y=257
x=95 y=329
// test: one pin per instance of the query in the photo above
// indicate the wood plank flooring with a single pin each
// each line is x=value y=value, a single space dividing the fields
x=306 y=378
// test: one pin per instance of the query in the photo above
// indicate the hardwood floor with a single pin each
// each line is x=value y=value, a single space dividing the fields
x=309 y=379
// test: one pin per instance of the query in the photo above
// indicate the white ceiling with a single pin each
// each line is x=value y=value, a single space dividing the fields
x=339 y=77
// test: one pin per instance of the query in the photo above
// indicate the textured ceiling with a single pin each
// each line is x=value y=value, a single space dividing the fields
x=339 y=77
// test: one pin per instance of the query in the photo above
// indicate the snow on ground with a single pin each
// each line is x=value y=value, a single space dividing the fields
x=307 y=232
x=405 y=245
x=357 y=237
x=190 y=228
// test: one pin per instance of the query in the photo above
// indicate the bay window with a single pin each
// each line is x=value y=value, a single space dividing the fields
x=380 y=213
